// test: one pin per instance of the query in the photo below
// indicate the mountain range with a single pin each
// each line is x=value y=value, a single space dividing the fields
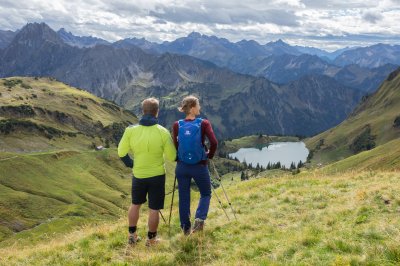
x=127 y=75
x=238 y=104
x=282 y=63
x=223 y=52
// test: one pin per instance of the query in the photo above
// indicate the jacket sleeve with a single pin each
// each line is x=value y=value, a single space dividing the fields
x=124 y=144
x=211 y=137
x=175 y=129
x=169 y=147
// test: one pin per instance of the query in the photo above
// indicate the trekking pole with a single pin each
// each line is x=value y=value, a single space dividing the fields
x=170 y=210
x=162 y=216
x=220 y=203
x=223 y=189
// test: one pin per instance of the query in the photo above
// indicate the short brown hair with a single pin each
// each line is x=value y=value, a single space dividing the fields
x=187 y=103
x=150 y=106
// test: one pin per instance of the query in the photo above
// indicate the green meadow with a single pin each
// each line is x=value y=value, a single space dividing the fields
x=318 y=217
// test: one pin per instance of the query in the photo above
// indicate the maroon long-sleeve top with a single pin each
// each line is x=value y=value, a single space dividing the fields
x=206 y=131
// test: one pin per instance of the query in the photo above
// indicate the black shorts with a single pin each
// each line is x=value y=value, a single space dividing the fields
x=152 y=186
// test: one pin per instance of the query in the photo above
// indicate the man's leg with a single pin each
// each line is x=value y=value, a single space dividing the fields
x=154 y=219
x=133 y=214
x=139 y=191
x=133 y=217
x=156 y=202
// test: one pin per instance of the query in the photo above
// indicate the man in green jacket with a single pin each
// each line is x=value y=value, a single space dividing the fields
x=149 y=143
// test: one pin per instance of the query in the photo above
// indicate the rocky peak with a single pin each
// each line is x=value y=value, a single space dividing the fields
x=35 y=34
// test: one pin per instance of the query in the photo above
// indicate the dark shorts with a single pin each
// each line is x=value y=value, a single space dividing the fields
x=154 y=187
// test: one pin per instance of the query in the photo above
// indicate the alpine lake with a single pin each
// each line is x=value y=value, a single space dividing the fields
x=284 y=152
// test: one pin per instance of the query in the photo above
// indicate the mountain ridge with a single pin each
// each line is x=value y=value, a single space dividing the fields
x=127 y=75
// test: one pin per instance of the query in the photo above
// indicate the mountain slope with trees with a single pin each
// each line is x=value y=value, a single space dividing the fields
x=375 y=121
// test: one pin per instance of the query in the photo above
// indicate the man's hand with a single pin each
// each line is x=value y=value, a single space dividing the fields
x=127 y=161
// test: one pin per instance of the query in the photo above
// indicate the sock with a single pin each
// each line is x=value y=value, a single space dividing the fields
x=151 y=235
x=132 y=229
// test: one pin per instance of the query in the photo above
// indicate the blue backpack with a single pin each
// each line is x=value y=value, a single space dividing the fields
x=190 y=149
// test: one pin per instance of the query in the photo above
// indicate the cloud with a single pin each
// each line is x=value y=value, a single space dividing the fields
x=225 y=16
x=330 y=23
x=338 y=4
x=372 y=17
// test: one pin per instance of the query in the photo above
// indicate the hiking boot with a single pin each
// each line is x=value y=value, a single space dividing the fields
x=198 y=225
x=152 y=242
x=187 y=232
x=133 y=239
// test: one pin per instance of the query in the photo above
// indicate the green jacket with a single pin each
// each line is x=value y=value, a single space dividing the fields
x=148 y=145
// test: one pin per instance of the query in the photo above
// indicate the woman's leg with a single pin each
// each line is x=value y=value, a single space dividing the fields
x=184 y=195
x=202 y=178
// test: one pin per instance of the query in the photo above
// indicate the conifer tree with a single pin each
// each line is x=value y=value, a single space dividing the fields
x=242 y=176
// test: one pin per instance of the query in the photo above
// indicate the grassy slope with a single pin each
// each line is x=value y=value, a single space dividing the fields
x=83 y=114
x=50 y=192
x=383 y=157
x=61 y=186
x=53 y=182
x=338 y=215
x=379 y=111
x=314 y=218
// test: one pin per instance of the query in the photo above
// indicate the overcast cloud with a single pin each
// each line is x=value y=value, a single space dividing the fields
x=328 y=24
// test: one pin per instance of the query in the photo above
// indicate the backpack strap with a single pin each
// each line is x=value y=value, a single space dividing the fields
x=197 y=121
x=181 y=122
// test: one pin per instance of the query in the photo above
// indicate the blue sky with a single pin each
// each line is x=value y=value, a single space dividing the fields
x=328 y=24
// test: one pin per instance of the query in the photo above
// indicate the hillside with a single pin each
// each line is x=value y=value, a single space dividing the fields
x=51 y=192
x=41 y=114
x=51 y=177
x=385 y=157
x=309 y=219
x=55 y=192
x=374 y=122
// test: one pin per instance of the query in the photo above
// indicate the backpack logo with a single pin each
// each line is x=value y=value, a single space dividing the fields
x=187 y=133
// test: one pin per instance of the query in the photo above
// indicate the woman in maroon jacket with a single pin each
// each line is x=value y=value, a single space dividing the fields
x=189 y=136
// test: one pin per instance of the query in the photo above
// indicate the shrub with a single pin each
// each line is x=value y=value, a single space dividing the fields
x=21 y=110
x=310 y=156
x=10 y=125
x=320 y=144
x=60 y=116
x=396 y=122
x=364 y=141
x=393 y=75
x=82 y=106
x=9 y=83
x=117 y=131
x=111 y=106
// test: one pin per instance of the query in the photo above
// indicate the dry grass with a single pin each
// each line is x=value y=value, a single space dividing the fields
x=309 y=219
